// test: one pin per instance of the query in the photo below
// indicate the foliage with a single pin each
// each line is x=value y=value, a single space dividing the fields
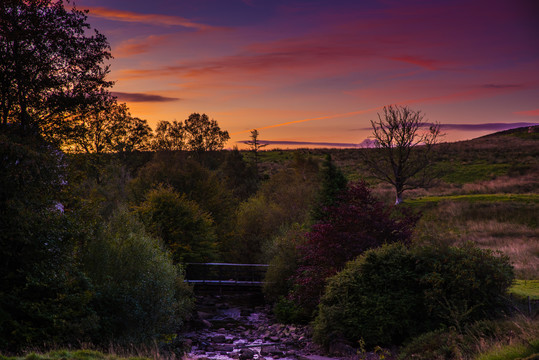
x=376 y=298
x=139 y=292
x=284 y=262
x=50 y=69
x=169 y=136
x=463 y=284
x=358 y=222
x=288 y=312
x=333 y=183
x=404 y=151
x=182 y=225
x=390 y=294
x=203 y=134
x=108 y=127
x=43 y=295
x=240 y=176
x=188 y=176
x=283 y=200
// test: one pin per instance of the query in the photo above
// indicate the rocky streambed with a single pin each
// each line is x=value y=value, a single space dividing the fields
x=241 y=327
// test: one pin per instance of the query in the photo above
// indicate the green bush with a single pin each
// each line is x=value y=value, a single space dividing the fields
x=284 y=262
x=139 y=291
x=462 y=284
x=393 y=293
x=376 y=298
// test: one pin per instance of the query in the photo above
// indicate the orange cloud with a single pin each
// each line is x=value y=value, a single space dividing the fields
x=152 y=19
x=312 y=119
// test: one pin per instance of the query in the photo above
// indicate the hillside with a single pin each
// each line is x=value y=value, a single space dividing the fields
x=488 y=192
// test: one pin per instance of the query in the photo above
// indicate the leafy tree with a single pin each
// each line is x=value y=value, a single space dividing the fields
x=403 y=155
x=43 y=296
x=187 y=231
x=139 y=291
x=135 y=136
x=357 y=222
x=107 y=126
x=203 y=134
x=187 y=176
x=286 y=198
x=169 y=136
x=333 y=183
x=50 y=69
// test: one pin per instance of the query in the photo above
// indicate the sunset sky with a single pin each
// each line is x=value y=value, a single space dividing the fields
x=313 y=73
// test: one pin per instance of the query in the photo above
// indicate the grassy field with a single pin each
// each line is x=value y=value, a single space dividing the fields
x=72 y=355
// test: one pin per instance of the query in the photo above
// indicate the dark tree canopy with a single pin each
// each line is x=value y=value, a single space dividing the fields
x=107 y=126
x=51 y=67
x=404 y=143
x=169 y=136
x=203 y=134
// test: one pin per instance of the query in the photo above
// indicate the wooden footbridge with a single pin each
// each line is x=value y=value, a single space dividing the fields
x=225 y=276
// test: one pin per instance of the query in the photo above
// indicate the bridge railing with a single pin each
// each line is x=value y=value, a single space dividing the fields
x=225 y=274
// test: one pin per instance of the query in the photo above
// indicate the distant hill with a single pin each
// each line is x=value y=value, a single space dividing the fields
x=529 y=132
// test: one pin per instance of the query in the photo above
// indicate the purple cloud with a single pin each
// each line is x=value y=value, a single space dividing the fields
x=140 y=97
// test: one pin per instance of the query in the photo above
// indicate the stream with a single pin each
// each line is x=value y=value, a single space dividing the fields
x=242 y=327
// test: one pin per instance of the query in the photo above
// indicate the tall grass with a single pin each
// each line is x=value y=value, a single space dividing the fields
x=510 y=227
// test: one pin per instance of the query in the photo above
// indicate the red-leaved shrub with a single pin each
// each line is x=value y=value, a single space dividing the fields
x=357 y=222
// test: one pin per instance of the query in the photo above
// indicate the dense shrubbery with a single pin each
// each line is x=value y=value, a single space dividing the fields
x=139 y=292
x=356 y=223
x=390 y=294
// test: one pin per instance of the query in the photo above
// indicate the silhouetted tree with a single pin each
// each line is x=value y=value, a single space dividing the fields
x=203 y=134
x=169 y=136
x=107 y=126
x=50 y=68
x=402 y=156
x=255 y=145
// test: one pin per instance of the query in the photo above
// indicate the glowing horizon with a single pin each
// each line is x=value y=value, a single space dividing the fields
x=318 y=72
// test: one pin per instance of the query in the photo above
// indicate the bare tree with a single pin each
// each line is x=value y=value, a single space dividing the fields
x=404 y=143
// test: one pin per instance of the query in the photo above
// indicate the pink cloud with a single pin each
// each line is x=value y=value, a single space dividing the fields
x=133 y=47
x=528 y=112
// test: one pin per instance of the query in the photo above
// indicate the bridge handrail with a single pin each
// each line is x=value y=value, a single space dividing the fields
x=229 y=264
